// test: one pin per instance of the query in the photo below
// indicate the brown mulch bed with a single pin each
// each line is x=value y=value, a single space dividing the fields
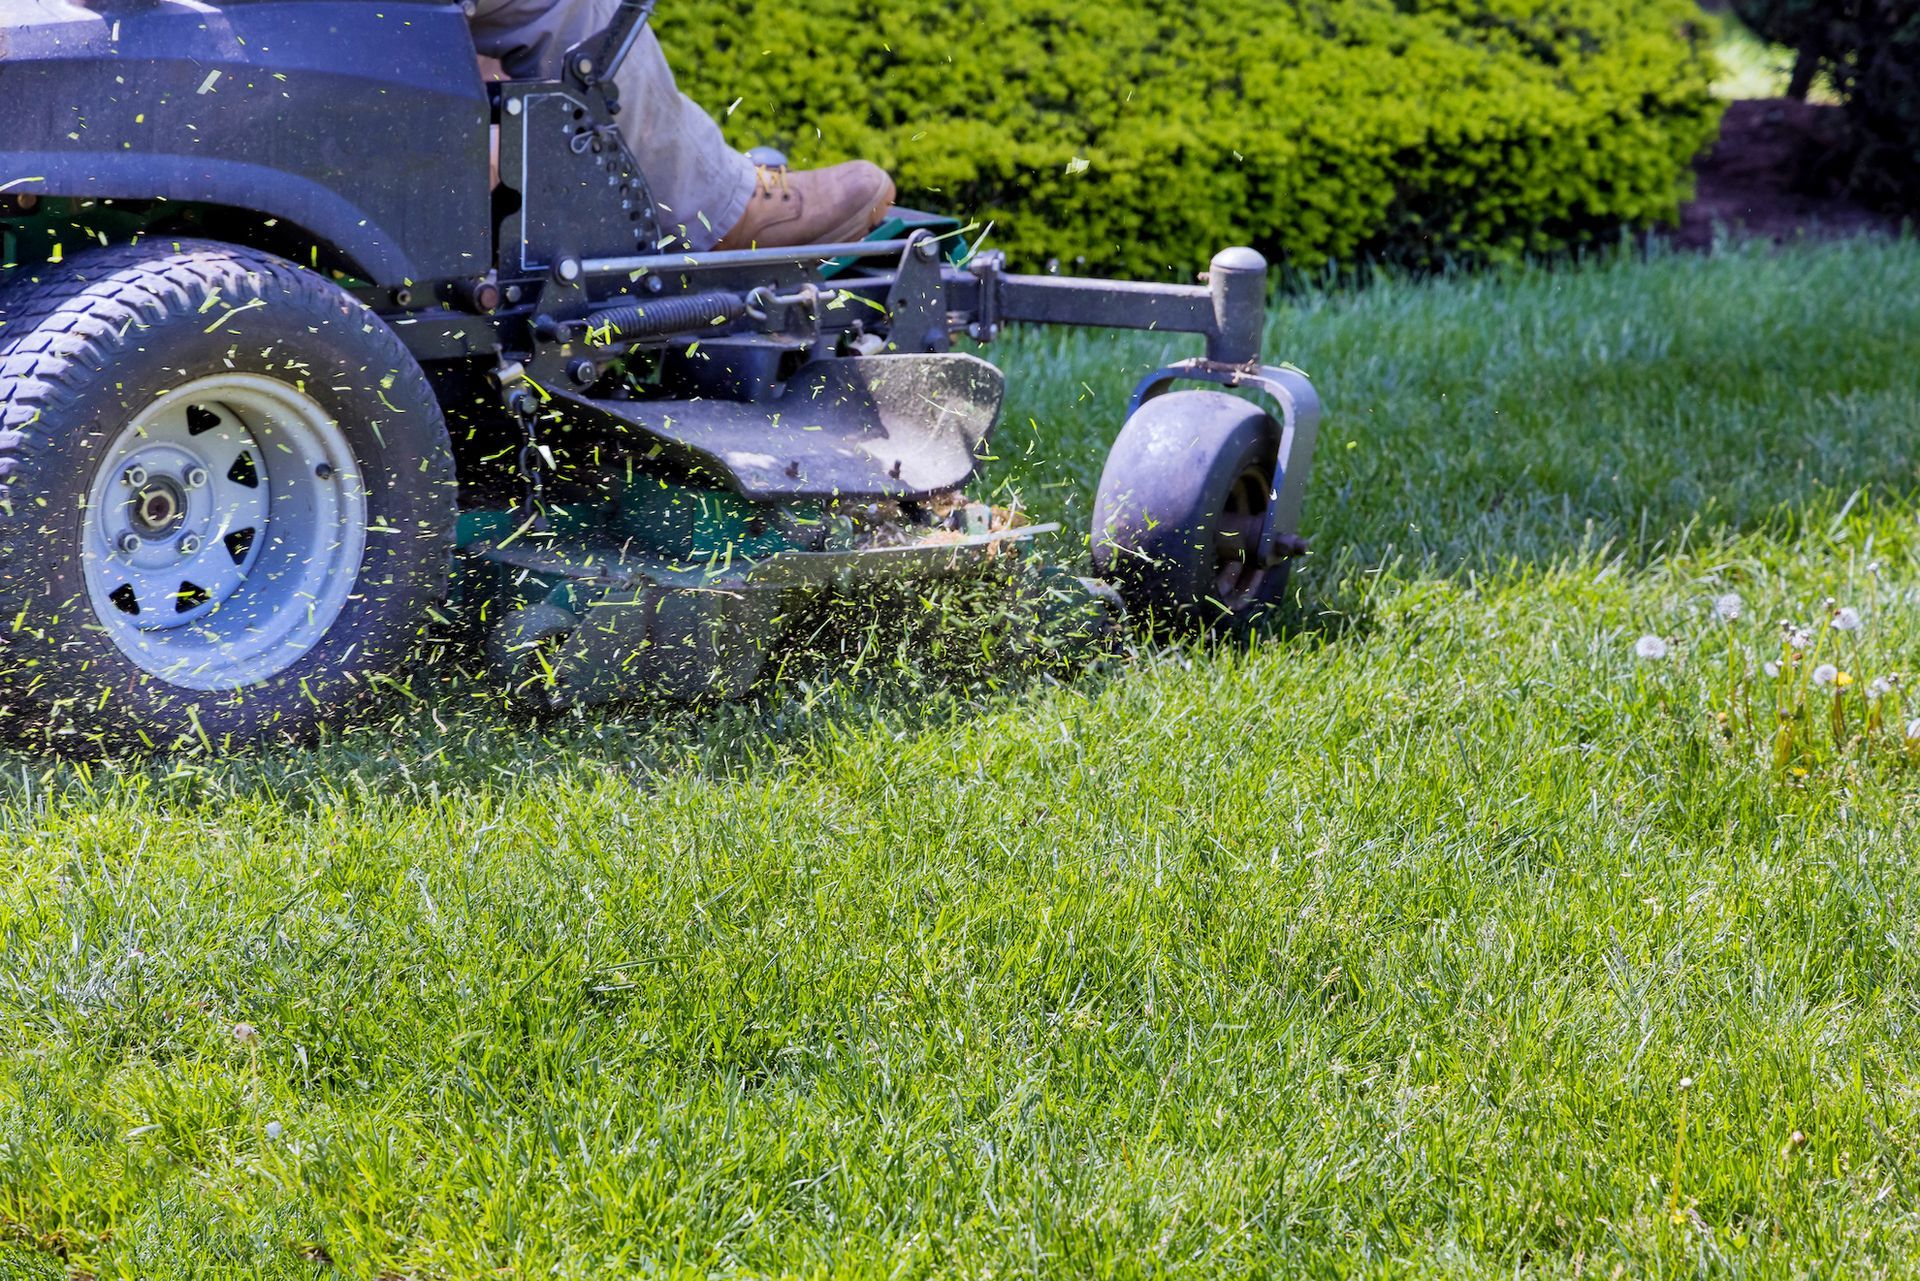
x=1765 y=177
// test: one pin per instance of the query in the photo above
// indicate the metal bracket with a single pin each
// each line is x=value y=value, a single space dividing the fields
x=595 y=60
x=1292 y=394
x=582 y=192
x=987 y=268
x=917 y=303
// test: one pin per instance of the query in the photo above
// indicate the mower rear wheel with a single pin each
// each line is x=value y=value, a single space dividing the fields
x=226 y=500
x=1182 y=504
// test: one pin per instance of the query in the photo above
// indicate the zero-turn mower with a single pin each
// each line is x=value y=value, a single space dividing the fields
x=286 y=384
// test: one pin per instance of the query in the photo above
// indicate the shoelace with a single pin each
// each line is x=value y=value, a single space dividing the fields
x=770 y=178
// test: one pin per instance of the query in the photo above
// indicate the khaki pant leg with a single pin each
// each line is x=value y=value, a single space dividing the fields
x=701 y=184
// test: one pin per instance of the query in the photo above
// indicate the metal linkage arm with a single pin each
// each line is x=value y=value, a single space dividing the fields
x=1230 y=309
x=1116 y=304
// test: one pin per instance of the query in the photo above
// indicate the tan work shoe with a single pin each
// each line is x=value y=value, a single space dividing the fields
x=812 y=206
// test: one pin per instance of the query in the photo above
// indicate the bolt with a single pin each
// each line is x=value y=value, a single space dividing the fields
x=513 y=293
x=324 y=471
x=927 y=249
x=513 y=106
x=134 y=477
x=128 y=542
x=189 y=544
x=567 y=269
x=583 y=371
x=655 y=284
x=196 y=477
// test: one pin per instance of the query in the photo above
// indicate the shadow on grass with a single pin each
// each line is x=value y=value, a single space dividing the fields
x=906 y=662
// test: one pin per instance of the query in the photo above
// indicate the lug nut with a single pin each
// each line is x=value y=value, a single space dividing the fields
x=134 y=477
x=196 y=477
x=128 y=542
x=189 y=544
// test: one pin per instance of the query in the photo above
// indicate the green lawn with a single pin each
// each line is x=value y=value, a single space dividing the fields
x=1441 y=935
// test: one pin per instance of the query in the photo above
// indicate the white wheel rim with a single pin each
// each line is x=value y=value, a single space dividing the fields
x=223 y=533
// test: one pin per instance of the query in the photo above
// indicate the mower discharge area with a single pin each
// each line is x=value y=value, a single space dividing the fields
x=284 y=387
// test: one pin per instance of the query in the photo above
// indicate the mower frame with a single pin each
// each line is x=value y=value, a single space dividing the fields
x=530 y=320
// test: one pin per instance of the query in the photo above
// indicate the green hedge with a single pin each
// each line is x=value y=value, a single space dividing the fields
x=1137 y=135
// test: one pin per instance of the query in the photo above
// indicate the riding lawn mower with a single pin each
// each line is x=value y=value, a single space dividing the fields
x=286 y=383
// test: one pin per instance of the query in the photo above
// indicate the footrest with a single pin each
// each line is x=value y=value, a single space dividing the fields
x=899 y=427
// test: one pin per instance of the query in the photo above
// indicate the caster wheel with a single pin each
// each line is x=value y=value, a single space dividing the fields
x=1182 y=503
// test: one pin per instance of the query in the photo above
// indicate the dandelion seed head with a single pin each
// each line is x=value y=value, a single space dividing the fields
x=1846 y=620
x=274 y=1129
x=1880 y=688
x=1772 y=669
x=245 y=1031
x=1826 y=675
x=1913 y=730
x=1650 y=648
x=1728 y=608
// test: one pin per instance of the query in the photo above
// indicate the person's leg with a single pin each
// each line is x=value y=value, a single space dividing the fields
x=701 y=184
x=710 y=194
x=704 y=184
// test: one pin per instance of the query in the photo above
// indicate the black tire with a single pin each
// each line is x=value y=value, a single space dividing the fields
x=1184 y=492
x=89 y=345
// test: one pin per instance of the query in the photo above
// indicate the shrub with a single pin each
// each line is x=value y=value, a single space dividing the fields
x=1139 y=135
x=1870 y=49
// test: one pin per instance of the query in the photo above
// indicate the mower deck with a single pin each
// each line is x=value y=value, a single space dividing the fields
x=589 y=620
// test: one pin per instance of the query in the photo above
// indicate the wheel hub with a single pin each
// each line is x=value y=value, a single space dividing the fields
x=224 y=531
x=1239 y=567
x=158 y=511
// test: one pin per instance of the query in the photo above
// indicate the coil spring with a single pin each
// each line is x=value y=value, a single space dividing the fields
x=661 y=316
